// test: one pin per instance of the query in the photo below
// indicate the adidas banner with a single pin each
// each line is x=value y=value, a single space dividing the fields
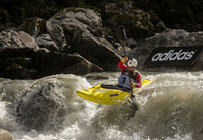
x=172 y=56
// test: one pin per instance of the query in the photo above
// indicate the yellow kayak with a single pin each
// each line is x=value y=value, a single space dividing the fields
x=106 y=94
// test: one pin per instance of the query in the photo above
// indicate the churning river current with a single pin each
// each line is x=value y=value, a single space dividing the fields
x=170 y=107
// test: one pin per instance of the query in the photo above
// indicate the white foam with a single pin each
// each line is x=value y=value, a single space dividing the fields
x=79 y=124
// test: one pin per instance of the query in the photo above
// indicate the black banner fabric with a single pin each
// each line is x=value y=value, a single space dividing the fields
x=173 y=56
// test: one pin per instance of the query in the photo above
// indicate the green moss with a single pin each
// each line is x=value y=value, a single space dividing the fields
x=30 y=24
x=111 y=14
x=72 y=9
x=92 y=8
x=79 y=9
x=21 y=60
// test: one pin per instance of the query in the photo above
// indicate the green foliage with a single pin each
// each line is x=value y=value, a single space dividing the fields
x=14 y=66
x=30 y=23
x=72 y=9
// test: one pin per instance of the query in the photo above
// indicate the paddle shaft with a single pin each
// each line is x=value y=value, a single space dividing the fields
x=121 y=35
x=124 y=45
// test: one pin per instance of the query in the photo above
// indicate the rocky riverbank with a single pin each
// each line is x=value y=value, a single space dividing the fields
x=41 y=38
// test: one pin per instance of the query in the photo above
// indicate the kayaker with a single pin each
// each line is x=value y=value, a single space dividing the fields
x=129 y=77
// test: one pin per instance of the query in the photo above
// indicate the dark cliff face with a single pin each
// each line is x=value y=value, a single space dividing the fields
x=185 y=14
x=82 y=36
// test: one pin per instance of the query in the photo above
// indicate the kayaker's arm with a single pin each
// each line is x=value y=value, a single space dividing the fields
x=121 y=64
x=138 y=83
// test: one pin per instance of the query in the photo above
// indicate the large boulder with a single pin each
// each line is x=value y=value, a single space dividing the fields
x=15 y=40
x=16 y=50
x=169 y=38
x=5 y=135
x=82 y=30
x=46 y=103
x=71 y=22
x=100 y=52
x=21 y=57
x=49 y=63
x=57 y=34
x=44 y=63
x=42 y=106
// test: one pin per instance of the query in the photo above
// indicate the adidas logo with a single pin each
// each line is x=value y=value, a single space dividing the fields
x=172 y=55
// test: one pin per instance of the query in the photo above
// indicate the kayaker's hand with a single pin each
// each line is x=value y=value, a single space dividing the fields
x=124 y=59
x=132 y=84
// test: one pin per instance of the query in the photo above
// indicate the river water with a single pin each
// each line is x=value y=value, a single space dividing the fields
x=171 y=107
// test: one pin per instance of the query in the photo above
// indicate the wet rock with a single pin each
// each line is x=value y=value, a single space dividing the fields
x=12 y=39
x=42 y=107
x=79 y=18
x=14 y=44
x=21 y=57
x=16 y=51
x=57 y=35
x=45 y=41
x=122 y=50
x=5 y=135
x=127 y=46
x=131 y=43
x=169 y=38
x=100 y=52
x=44 y=63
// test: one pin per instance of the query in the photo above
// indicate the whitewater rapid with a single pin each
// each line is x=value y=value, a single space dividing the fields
x=171 y=107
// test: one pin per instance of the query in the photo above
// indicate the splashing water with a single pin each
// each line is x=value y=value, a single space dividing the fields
x=169 y=108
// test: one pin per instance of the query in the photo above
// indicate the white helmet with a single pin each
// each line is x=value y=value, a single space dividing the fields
x=132 y=63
